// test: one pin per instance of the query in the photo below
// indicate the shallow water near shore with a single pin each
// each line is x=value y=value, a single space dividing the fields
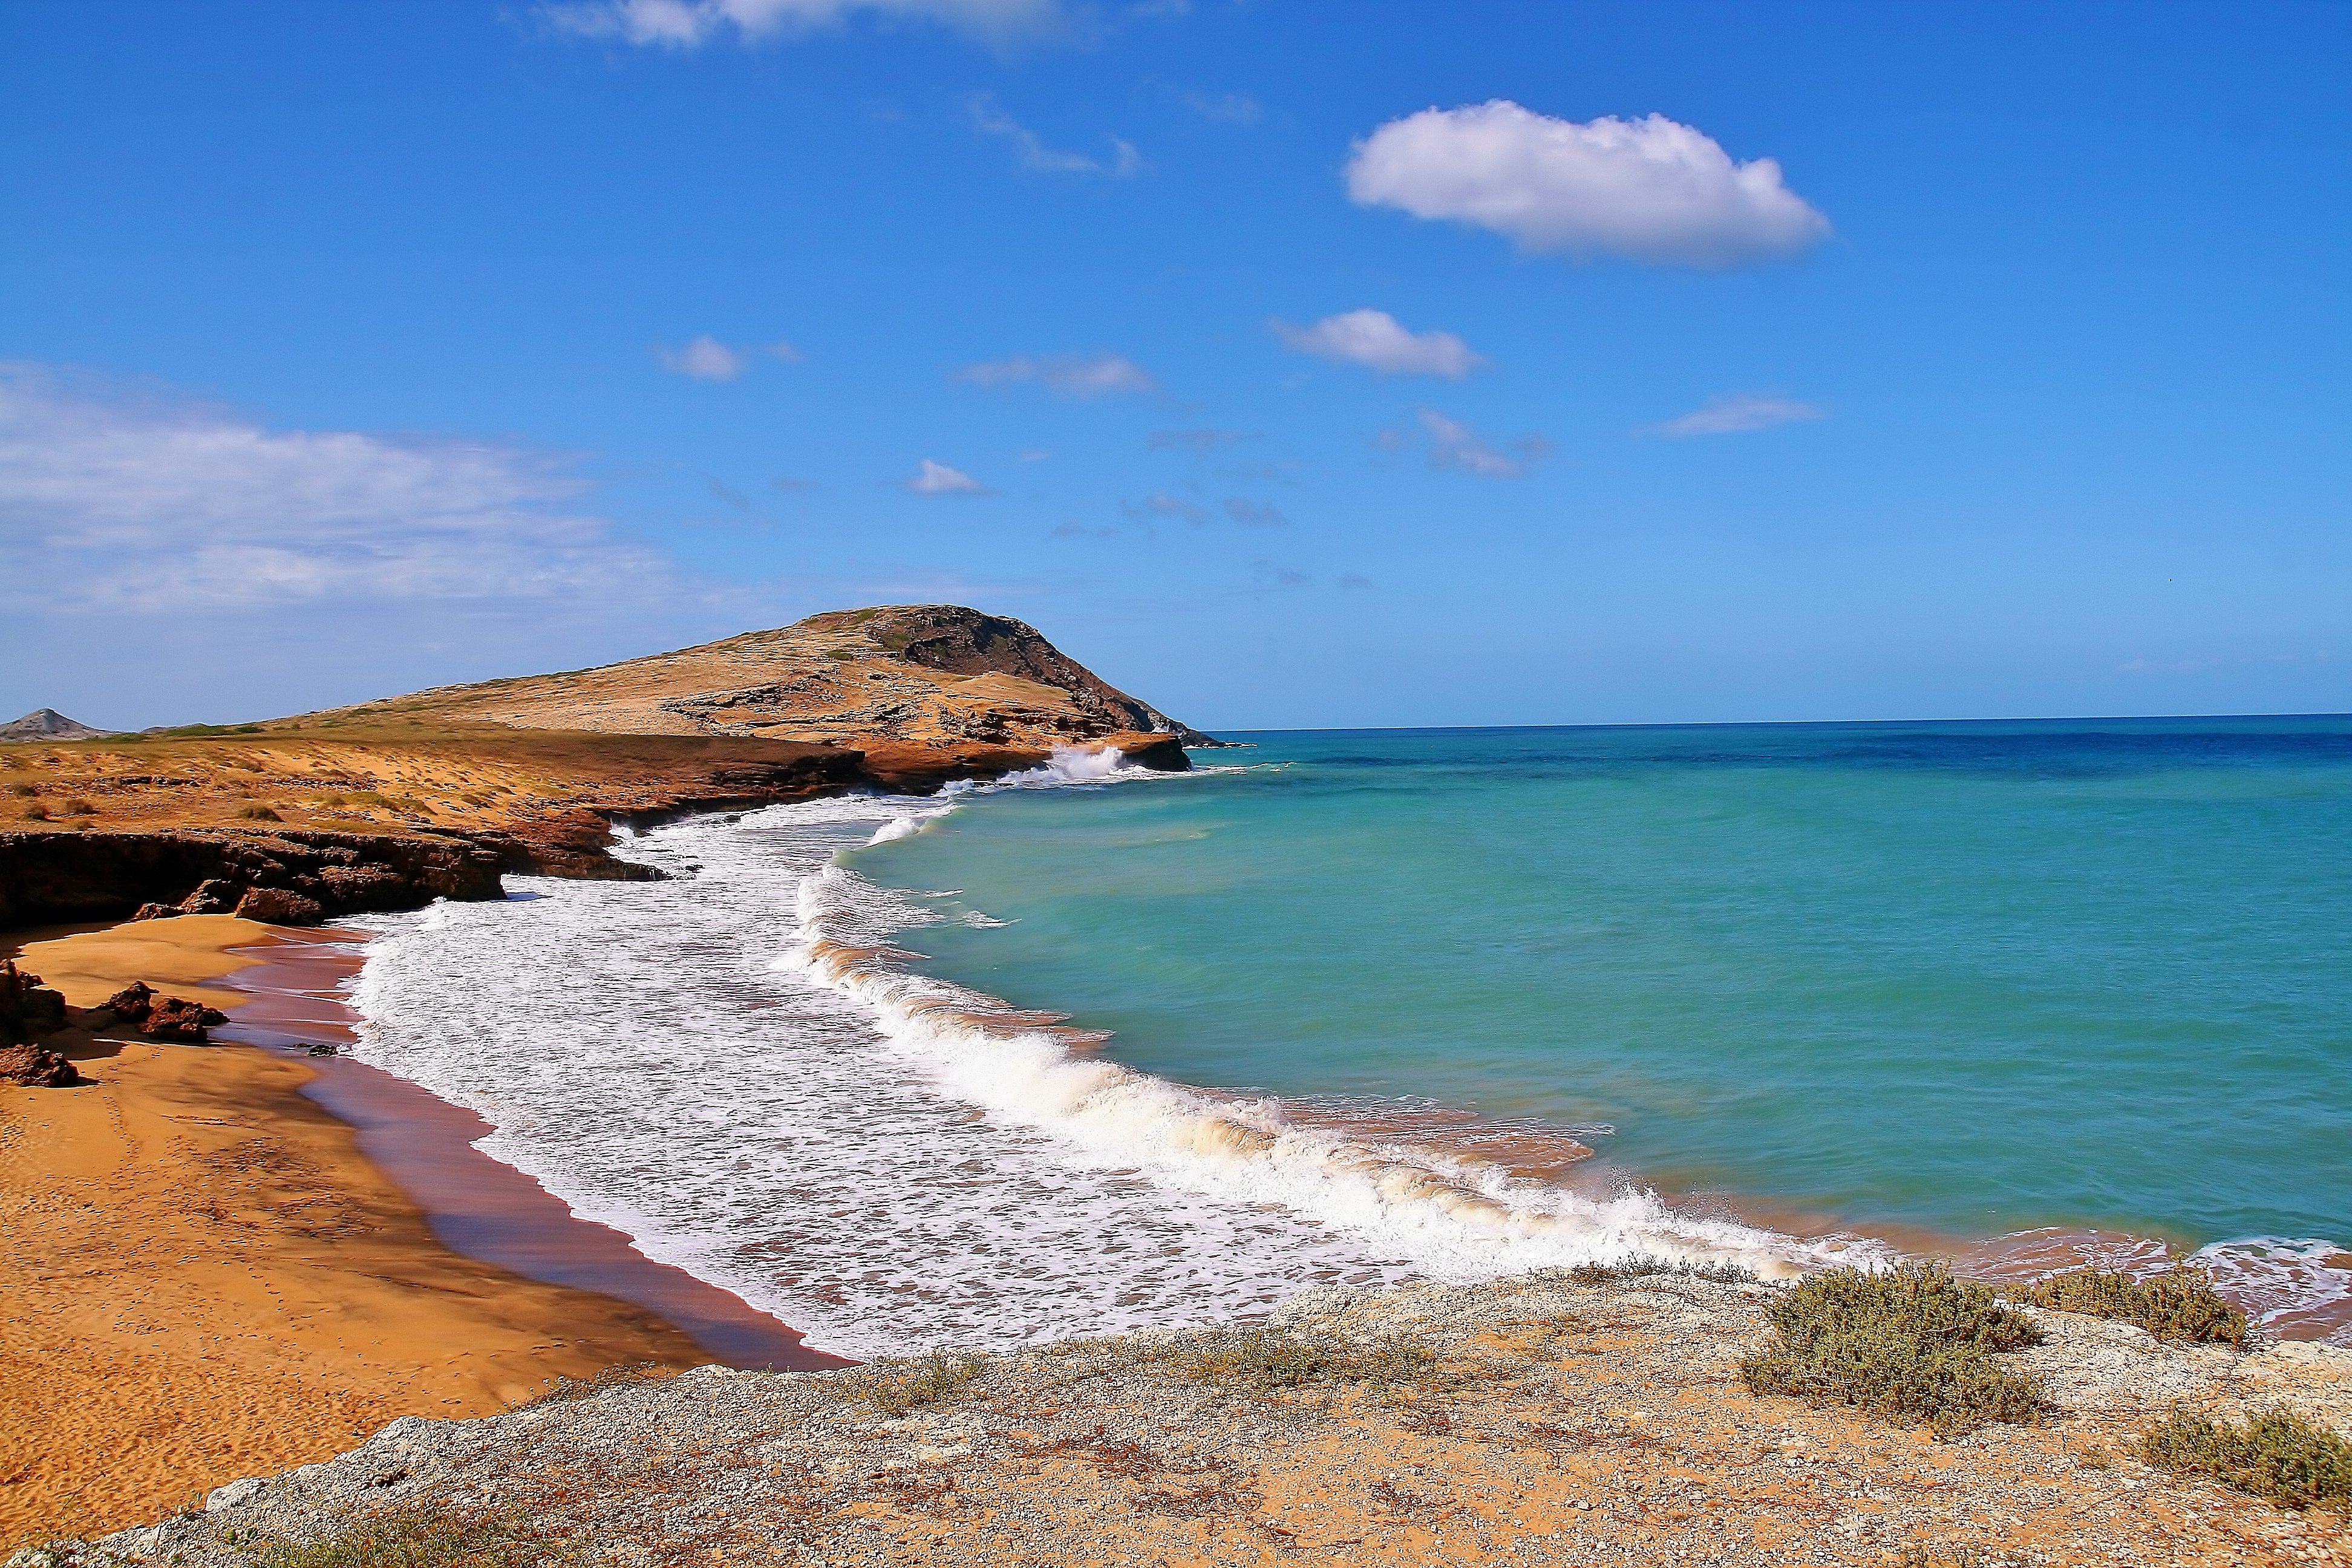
x=2058 y=987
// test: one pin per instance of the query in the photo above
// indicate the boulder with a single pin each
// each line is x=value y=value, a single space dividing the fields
x=277 y=906
x=156 y=912
x=30 y=1066
x=131 y=1002
x=28 y=1008
x=213 y=896
x=172 y=1018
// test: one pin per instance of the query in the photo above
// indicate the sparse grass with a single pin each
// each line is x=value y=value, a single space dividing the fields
x=1940 y=1556
x=428 y=1535
x=1636 y=1267
x=2277 y=1455
x=1263 y=1361
x=2178 y=1304
x=258 y=814
x=1911 y=1344
x=895 y=1386
x=632 y=1376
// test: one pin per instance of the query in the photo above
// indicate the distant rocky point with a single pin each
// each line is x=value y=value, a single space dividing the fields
x=48 y=724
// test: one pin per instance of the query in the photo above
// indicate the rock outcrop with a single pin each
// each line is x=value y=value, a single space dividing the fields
x=107 y=876
x=163 y=1017
x=48 y=724
x=30 y=1066
x=28 y=1009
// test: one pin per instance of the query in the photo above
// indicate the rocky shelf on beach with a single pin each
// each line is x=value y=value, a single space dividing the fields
x=1589 y=1417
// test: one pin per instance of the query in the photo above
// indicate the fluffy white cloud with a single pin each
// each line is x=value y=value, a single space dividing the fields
x=1453 y=444
x=939 y=480
x=1378 y=340
x=1652 y=189
x=144 y=502
x=1731 y=416
x=1124 y=162
x=689 y=24
x=1071 y=375
x=708 y=359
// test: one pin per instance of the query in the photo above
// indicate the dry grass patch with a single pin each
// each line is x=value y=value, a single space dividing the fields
x=633 y=1376
x=1263 y=1361
x=895 y=1386
x=2277 y=1456
x=428 y=1535
x=2178 y=1304
x=1911 y=1344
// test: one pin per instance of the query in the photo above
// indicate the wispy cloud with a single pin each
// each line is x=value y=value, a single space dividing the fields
x=708 y=359
x=1069 y=376
x=1453 y=444
x=1734 y=415
x=1273 y=574
x=1029 y=148
x=1224 y=107
x=1200 y=443
x=690 y=23
x=1378 y=340
x=1254 y=514
x=1159 y=505
x=937 y=479
x=1652 y=189
x=112 y=489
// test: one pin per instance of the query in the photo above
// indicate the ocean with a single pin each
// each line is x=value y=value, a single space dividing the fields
x=1096 y=1048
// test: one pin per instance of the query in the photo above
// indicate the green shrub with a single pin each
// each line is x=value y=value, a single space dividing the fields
x=2277 y=1455
x=895 y=1386
x=1909 y=1344
x=2178 y=1304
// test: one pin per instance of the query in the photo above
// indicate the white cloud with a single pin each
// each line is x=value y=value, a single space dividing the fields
x=1124 y=162
x=1652 y=189
x=1159 y=503
x=708 y=359
x=689 y=24
x=1453 y=444
x=1071 y=375
x=939 y=480
x=1378 y=340
x=145 y=502
x=1732 y=416
x=1254 y=514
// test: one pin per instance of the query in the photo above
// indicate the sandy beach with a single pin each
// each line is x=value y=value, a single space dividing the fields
x=209 y=1278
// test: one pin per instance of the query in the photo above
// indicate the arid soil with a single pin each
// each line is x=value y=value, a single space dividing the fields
x=203 y=1278
x=1537 y=1420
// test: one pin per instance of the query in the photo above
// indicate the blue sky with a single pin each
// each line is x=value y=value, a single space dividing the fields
x=1292 y=365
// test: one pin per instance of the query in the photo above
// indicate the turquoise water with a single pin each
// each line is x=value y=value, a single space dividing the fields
x=1976 y=978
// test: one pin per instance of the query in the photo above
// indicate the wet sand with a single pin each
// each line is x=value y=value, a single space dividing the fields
x=208 y=1276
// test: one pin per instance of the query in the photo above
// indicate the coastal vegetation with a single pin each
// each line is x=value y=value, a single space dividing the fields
x=2178 y=1305
x=1910 y=1343
x=2277 y=1455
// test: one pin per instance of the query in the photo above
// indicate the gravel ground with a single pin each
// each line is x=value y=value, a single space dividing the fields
x=1528 y=1421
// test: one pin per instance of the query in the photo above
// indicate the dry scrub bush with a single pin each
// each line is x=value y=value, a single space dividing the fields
x=2178 y=1304
x=2277 y=1455
x=258 y=814
x=427 y=1535
x=1265 y=1360
x=1910 y=1343
x=78 y=806
x=1638 y=1267
x=895 y=1386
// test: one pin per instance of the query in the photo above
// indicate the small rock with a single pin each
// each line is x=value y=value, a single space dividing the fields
x=156 y=913
x=236 y=1494
x=32 y=1067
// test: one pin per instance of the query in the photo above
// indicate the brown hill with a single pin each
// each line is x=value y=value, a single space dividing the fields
x=389 y=804
x=937 y=675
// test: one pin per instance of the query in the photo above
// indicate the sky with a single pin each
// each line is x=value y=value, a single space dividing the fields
x=1289 y=365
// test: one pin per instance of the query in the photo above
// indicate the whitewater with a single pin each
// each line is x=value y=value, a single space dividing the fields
x=736 y=1067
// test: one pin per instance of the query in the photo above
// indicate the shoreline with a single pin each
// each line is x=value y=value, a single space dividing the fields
x=208 y=1276
x=478 y=1206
